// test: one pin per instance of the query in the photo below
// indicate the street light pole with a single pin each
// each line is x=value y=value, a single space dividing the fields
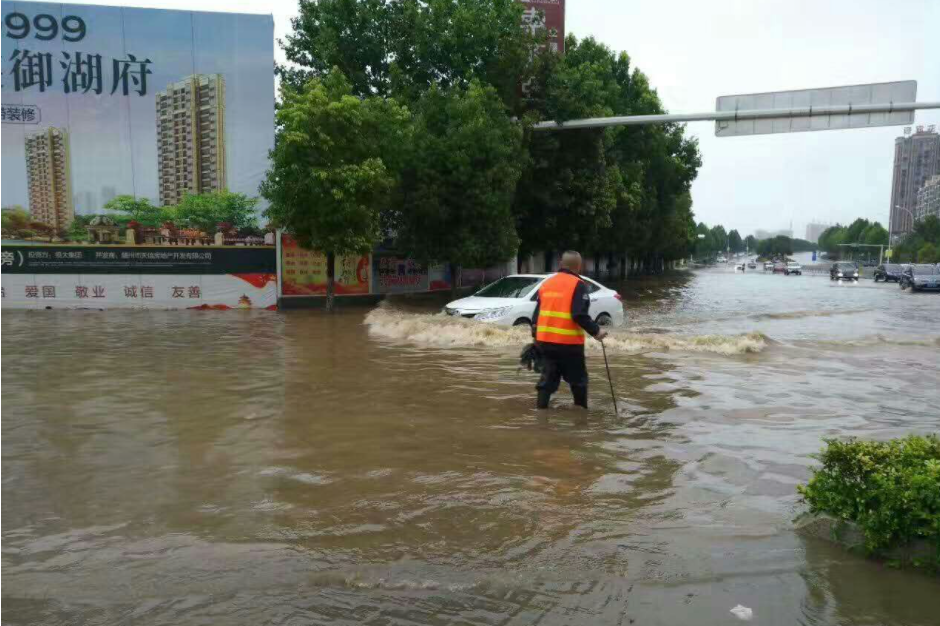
x=900 y=208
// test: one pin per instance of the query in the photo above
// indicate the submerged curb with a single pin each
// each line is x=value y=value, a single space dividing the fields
x=851 y=537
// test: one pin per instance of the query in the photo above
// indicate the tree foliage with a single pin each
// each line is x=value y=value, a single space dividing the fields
x=861 y=231
x=206 y=211
x=15 y=222
x=926 y=231
x=449 y=189
x=778 y=246
x=400 y=48
x=459 y=181
x=334 y=166
x=137 y=209
x=620 y=189
x=890 y=489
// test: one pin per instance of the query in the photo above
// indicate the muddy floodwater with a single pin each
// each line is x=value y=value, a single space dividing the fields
x=387 y=465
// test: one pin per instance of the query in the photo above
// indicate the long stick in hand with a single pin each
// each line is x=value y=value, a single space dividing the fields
x=609 y=379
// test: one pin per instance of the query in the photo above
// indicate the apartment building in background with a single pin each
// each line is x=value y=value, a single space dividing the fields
x=191 y=137
x=916 y=160
x=928 y=199
x=49 y=178
x=814 y=230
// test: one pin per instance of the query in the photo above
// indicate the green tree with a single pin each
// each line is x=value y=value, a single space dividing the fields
x=719 y=238
x=750 y=243
x=15 y=220
x=459 y=182
x=774 y=247
x=76 y=231
x=736 y=243
x=853 y=234
x=205 y=211
x=136 y=209
x=399 y=48
x=597 y=190
x=333 y=167
x=876 y=234
x=928 y=253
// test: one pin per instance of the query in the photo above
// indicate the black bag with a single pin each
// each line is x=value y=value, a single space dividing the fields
x=531 y=358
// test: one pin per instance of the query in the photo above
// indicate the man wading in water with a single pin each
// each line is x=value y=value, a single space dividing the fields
x=561 y=321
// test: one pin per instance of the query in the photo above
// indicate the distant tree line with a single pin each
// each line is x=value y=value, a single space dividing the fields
x=781 y=245
x=860 y=231
x=411 y=121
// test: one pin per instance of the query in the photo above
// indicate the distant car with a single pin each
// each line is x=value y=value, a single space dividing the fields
x=843 y=271
x=510 y=301
x=919 y=277
x=780 y=267
x=752 y=265
x=768 y=265
x=794 y=268
x=888 y=272
x=722 y=259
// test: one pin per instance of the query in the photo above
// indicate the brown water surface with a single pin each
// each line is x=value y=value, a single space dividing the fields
x=386 y=466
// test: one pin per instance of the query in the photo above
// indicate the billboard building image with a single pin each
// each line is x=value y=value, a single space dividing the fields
x=48 y=174
x=191 y=137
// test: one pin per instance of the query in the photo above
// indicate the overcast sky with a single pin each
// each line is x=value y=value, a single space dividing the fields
x=694 y=51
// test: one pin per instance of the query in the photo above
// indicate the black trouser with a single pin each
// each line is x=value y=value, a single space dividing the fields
x=562 y=361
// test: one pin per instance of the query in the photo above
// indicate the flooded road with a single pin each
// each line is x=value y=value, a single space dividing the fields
x=388 y=466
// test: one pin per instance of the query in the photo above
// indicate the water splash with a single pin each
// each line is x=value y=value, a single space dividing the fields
x=440 y=330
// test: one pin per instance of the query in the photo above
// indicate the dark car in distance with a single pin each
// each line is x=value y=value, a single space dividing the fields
x=919 y=277
x=843 y=271
x=887 y=272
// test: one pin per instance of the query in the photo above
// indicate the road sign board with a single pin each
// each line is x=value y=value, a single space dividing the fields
x=803 y=118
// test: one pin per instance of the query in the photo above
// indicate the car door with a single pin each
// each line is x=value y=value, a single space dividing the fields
x=594 y=293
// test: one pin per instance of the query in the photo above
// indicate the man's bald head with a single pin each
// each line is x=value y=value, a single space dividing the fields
x=571 y=261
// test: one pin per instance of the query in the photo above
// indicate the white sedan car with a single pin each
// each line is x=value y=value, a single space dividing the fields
x=510 y=301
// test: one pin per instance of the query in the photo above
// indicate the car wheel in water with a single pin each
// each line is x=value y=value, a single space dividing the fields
x=604 y=320
x=522 y=322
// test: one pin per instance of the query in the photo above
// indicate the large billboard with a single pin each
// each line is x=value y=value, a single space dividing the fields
x=135 y=128
x=64 y=276
x=105 y=101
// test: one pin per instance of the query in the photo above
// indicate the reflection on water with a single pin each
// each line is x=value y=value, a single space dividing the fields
x=387 y=466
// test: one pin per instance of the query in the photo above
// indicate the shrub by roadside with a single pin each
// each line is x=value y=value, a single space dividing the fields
x=890 y=490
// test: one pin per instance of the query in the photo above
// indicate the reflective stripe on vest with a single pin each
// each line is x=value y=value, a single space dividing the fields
x=555 y=324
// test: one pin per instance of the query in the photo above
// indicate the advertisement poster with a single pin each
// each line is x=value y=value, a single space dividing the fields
x=139 y=128
x=439 y=278
x=396 y=274
x=106 y=277
x=303 y=272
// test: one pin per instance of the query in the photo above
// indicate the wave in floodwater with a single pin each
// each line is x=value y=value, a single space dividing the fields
x=443 y=331
x=795 y=315
x=881 y=340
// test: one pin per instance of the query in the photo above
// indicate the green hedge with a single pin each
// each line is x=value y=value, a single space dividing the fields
x=891 y=489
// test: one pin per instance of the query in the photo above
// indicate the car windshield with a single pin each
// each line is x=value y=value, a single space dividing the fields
x=892 y=267
x=509 y=287
x=925 y=270
x=844 y=266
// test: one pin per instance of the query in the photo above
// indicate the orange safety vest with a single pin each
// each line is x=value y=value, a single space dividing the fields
x=555 y=324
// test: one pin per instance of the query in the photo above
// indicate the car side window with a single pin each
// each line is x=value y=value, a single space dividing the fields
x=591 y=287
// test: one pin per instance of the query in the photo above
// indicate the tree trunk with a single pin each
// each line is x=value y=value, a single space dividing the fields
x=330 y=280
x=453 y=280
